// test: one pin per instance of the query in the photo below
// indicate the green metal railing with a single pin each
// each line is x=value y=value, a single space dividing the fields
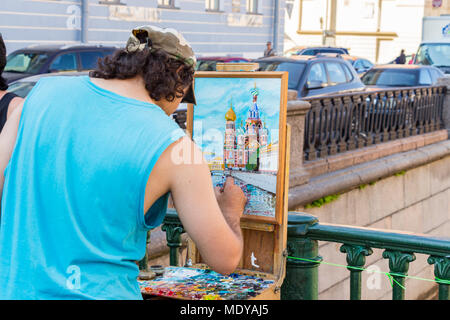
x=303 y=260
x=304 y=232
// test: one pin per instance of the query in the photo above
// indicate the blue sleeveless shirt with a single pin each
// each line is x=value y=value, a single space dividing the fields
x=72 y=220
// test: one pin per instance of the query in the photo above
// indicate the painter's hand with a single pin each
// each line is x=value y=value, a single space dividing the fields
x=231 y=201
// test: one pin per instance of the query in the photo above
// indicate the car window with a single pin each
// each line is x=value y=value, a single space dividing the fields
x=367 y=64
x=317 y=73
x=64 y=62
x=27 y=62
x=89 y=59
x=358 y=64
x=390 y=77
x=424 y=78
x=332 y=51
x=348 y=73
x=295 y=72
x=309 y=52
x=21 y=88
x=335 y=73
x=435 y=74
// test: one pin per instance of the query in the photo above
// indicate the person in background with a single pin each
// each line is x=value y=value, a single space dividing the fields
x=401 y=59
x=411 y=61
x=269 y=52
x=8 y=101
x=92 y=161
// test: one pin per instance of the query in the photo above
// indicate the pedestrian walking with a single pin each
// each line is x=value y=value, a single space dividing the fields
x=269 y=52
x=401 y=59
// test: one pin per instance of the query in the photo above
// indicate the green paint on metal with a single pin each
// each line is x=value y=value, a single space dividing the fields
x=388 y=274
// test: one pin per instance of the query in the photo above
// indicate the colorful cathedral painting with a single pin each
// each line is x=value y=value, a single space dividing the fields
x=244 y=143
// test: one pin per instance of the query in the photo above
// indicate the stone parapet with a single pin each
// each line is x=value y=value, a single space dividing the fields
x=352 y=177
x=296 y=113
x=358 y=156
x=446 y=112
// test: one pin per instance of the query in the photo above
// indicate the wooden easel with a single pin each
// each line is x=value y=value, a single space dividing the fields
x=264 y=253
x=264 y=241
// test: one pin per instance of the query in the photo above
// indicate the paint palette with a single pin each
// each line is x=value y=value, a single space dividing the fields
x=204 y=284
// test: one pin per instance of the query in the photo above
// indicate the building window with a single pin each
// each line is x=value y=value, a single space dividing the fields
x=212 y=5
x=166 y=3
x=252 y=6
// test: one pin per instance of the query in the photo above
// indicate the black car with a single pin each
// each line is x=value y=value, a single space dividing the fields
x=315 y=75
x=45 y=59
x=209 y=63
x=400 y=75
x=312 y=51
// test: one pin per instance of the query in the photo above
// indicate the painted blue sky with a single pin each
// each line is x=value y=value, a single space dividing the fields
x=213 y=101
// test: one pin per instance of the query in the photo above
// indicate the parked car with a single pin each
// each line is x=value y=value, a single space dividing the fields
x=312 y=51
x=40 y=59
x=398 y=75
x=209 y=63
x=361 y=65
x=315 y=75
x=23 y=86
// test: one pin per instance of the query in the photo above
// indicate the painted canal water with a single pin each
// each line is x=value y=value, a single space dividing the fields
x=259 y=201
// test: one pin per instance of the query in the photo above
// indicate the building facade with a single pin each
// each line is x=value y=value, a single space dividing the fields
x=213 y=27
x=373 y=29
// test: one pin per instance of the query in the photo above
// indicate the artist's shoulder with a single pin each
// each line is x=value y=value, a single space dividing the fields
x=15 y=106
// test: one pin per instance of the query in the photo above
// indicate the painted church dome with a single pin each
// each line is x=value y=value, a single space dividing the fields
x=230 y=115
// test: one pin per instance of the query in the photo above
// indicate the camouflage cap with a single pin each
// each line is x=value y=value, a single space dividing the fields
x=167 y=39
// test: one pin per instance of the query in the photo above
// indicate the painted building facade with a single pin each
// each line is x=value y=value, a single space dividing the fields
x=247 y=146
x=213 y=27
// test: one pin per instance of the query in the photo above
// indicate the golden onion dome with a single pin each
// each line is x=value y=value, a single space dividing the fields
x=230 y=115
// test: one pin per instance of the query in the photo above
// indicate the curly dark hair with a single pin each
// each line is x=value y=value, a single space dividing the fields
x=3 y=83
x=164 y=76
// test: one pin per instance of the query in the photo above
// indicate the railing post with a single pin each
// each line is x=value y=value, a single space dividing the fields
x=173 y=228
x=143 y=264
x=356 y=259
x=445 y=111
x=302 y=274
x=442 y=273
x=398 y=268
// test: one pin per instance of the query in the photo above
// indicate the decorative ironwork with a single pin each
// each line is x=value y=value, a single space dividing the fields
x=344 y=122
x=174 y=229
x=356 y=259
x=442 y=274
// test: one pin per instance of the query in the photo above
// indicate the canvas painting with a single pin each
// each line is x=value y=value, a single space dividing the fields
x=236 y=123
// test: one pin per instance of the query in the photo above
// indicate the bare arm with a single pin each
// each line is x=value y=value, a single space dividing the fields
x=15 y=103
x=210 y=216
x=7 y=141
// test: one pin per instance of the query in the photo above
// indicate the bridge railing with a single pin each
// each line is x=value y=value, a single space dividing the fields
x=303 y=259
x=349 y=121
